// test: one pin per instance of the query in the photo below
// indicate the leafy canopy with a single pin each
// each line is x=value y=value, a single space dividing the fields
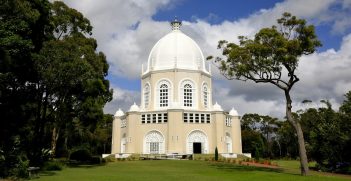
x=263 y=58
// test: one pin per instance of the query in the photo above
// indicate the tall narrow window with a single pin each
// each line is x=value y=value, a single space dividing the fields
x=188 y=95
x=146 y=95
x=205 y=95
x=163 y=95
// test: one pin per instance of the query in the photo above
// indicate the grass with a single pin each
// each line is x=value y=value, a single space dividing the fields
x=180 y=170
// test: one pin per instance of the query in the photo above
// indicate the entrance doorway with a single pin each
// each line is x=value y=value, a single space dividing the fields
x=196 y=142
x=197 y=147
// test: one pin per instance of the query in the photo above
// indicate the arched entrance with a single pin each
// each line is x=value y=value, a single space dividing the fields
x=229 y=143
x=197 y=142
x=154 y=143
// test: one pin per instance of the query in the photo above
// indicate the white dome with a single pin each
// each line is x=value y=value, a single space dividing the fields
x=176 y=50
x=217 y=107
x=119 y=113
x=134 y=108
x=233 y=112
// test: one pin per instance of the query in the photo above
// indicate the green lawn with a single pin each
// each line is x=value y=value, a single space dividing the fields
x=178 y=170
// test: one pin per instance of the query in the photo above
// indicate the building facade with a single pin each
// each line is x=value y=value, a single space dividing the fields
x=176 y=114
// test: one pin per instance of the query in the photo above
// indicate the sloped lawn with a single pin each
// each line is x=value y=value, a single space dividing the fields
x=178 y=170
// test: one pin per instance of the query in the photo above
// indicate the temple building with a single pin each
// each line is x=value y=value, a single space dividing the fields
x=176 y=114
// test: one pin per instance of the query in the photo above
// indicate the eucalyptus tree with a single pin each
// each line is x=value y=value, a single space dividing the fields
x=72 y=75
x=51 y=77
x=272 y=56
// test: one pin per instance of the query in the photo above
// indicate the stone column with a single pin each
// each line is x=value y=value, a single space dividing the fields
x=116 y=132
x=220 y=139
x=236 y=135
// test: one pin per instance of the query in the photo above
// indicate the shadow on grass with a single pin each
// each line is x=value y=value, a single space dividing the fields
x=84 y=165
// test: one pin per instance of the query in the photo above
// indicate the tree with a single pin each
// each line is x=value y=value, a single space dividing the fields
x=257 y=134
x=52 y=80
x=72 y=75
x=22 y=27
x=287 y=140
x=272 y=57
x=328 y=135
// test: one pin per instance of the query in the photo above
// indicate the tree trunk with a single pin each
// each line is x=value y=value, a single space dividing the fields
x=301 y=141
x=54 y=138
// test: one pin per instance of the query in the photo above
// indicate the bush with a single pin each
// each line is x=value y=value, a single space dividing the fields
x=110 y=158
x=20 y=171
x=53 y=166
x=216 y=154
x=82 y=155
x=95 y=160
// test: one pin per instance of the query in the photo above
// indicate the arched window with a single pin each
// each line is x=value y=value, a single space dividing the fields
x=205 y=95
x=163 y=93
x=146 y=95
x=188 y=93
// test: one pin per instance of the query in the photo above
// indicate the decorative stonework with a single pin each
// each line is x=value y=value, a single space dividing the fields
x=154 y=143
x=197 y=136
x=176 y=24
x=123 y=123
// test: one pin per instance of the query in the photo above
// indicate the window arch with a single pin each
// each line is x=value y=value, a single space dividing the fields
x=164 y=93
x=188 y=93
x=146 y=95
x=205 y=95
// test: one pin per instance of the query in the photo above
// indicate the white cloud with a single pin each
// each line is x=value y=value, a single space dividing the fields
x=122 y=98
x=326 y=75
x=126 y=33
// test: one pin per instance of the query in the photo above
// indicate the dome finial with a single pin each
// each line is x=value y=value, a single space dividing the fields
x=176 y=24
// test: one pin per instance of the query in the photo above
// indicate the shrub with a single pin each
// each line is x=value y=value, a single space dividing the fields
x=110 y=158
x=82 y=155
x=20 y=170
x=216 y=154
x=95 y=160
x=53 y=166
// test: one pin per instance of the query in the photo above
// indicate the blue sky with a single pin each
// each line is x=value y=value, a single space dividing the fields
x=127 y=30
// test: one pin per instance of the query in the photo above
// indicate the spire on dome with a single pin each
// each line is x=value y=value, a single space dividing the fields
x=176 y=24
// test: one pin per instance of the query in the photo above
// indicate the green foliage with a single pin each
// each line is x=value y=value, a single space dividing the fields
x=253 y=142
x=203 y=157
x=328 y=134
x=96 y=160
x=286 y=145
x=272 y=56
x=53 y=165
x=52 y=83
x=216 y=154
x=263 y=58
x=110 y=158
x=20 y=168
x=81 y=155
x=258 y=134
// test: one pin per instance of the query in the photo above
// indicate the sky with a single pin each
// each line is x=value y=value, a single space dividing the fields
x=126 y=30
